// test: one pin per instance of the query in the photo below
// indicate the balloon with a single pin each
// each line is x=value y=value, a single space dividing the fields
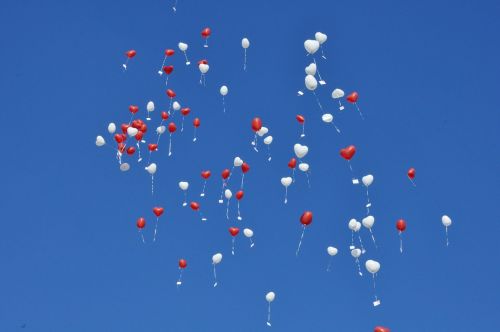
x=245 y=167
x=224 y=90
x=169 y=52
x=168 y=69
x=348 y=152
x=292 y=163
x=217 y=258
x=304 y=167
x=332 y=251
x=356 y=252
x=225 y=174
x=205 y=33
x=337 y=93
x=367 y=180
x=262 y=131
x=311 y=69
x=132 y=131
x=368 y=221
x=196 y=122
x=239 y=195
x=141 y=223
x=124 y=167
x=311 y=83
x=300 y=150
x=327 y=118
x=183 y=185
x=357 y=227
x=183 y=47
x=248 y=232
x=268 y=140
x=446 y=221
x=152 y=147
x=352 y=98
x=204 y=61
x=150 y=107
x=411 y=173
x=228 y=194
x=381 y=329
x=306 y=218
x=311 y=46
x=111 y=128
x=270 y=297
x=237 y=162
x=158 y=211
x=256 y=124
x=139 y=136
x=151 y=168
x=130 y=150
x=286 y=181
x=372 y=266
x=130 y=54
x=121 y=147
x=203 y=68
x=300 y=119
x=119 y=138
x=320 y=37
x=206 y=174
x=182 y=263
x=172 y=127
x=401 y=225
x=352 y=224
x=234 y=231
x=245 y=43
x=195 y=206
x=133 y=109
x=160 y=130
x=176 y=106
x=99 y=141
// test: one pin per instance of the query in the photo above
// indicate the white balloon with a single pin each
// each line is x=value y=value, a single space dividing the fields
x=356 y=252
x=352 y=224
x=367 y=180
x=111 y=128
x=286 y=181
x=224 y=90
x=262 y=131
x=320 y=37
x=183 y=185
x=176 y=106
x=150 y=107
x=372 y=266
x=183 y=46
x=311 y=69
x=248 y=232
x=300 y=150
x=228 y=194
x=160 y=130
x=368 y=221
x=151 y=168
x=268 y=140
x=237 y=162
x=203 y=68
x=311 y=46
x=304 y=167
x=99 y=141
x=270 y=297
x=311 y=83
x=337 y=93
x=357 y=227
x=124 y=167
x=327 y=118
x=446 y=220
x=332 y=251
x=245 y=43
x=217 y=258
x=131 y=131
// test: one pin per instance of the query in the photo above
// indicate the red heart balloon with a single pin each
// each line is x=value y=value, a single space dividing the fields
x=206 y=32
x=185 y=111
x=171 y=93
x=195 y=206
x=124 y=127
x=133 y=109
x=144 y=128
x=196 y=122
x=169 y=52
x=401 y=225
x=158 y=211
x=118 y=138
x=292 y=163
x=225 y=174
x=234 y=231
x=245 y=167
x=203 y=62
x=164 y=115
x=353 y=97
x=348 y=152
x=172 y=127
x=136 y=124
x=306 y=218
x=205 y=174
x=152 y=147
x=256 y=124
x=239 y=195
x=139 y=135
x=130 y=54
x=412 y=173
x=300 y=118
x=130 y=150
x=141 y=223
x=381 y=329
x=168 y=69
x=182 y=263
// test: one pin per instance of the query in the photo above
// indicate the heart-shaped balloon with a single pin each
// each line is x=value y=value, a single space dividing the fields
x=111 y=128
x=150 y=107
x=151 y=168
x=217 y=258
x=239 y=195
x=320 y=37
x=248 y=232
x=337 y=93
x=184 y=185
x=446 y=221
x=352 y=224
x=286 y=181
x=372 y=266
x=256 y=124
x=183 y=46
x=300 y=150
x=356 y=252
x=152 y=147
x=367 y=180
x=268 y=140
x=311 y=83
x=304 y=167
x=411 y=173
x=124 y=127
x=203 y=68
x=262 y=131
x=158 y=211
x=171 y=93
x=225 y=173
x=124 y=167
x=327 y=118
x=292 y=163
x=132 y=131
x=194 y=206
x=381 y=329
x=205 y=174
x=160 y=130
x=133 y=109
x=237 y=162
x=353 y=97
x=141 y=223
x=348 y=152
x=130 y=150
x=300 y=118
x=306 y=218
x=176 y=106
x=245 y=167
x=311 y=69
x=228 y=194
x=332 y=251
x=234 y=231
x=368 y=221
x=311 y=46
x=99 y=141
x=172 y=127
x=169 y=52
x=168 y=69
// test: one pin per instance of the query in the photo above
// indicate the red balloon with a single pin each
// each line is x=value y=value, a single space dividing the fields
x=182 y=263
x=130 y=54
x=158 y=211
x=348 y=152
x=136 y=124
x=239 y=195
x=195 y=206
x=124 y=127
x=225 y=173
x=203 y=61
x=164 y=115
x=121 y=147
x=412 y=173
x=141 y=223
x=152 y=147
x=171 y=93
x=292 y=163
x=245 y=167
x=144 y=128
x=168 y=69
x=119 y=138
x=206 y=174
x=306 y=218
x=133 y=109
x=169 y=52
x=196 y=122
x=353 y=97
x=234 y=231
x=172 y=127
x=300 y=118
x=130 y=150
x=381 y=329
x=139 y=135
x=205 y=33
x=185 y=111
x=256 y=124
x=401 y=225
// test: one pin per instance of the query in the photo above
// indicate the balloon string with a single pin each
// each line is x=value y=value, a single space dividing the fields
x=269 y=153
x=232 y=248
x=400 y=242
x=303 y=130
x=254 y=143
x=125 y=64
x=162 y=64
x=319 y=75
x=300 y=242
x=194 y=138
x=156 y=229
x=185 y=199
x=374 y=287
x=170 y=145
x=251 y=243
x=317 y=100
x=187 y=60
x=373 y=239
x=340 y=106
x=224 y=104
x=308 y=182
x=203 y=191
x=361 y=243
x=286 y=195
x=239 y=214
x=201 y=216
x=242 y=179
x=215 y=277
x=367 y=202
x=413 y=182
x=222 y=191
x=293 y=174
x=322 y=53
x=359 y=267
x=352 y=238
x=169 y=106
x=201 y=79
x=245 y=61
x=329 y=264
x=336 y=128
x=142 y=237
x=446 y=230
x=227 y=209
x=166 y=81
x=361 y=114
x=269 y=314
x=139 y=150
x=182 y=125
x=152 y=185
x=179 y=282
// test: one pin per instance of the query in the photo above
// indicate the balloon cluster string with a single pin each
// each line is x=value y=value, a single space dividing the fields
x=182 y=125
x=368 y=204
x=293 y=175
x=227 y=209
x=447 y=242
x=361 y=243
x=139 y=151
x=300 y=242
x=374 y=287
x=254 y=143
x=185 y=199
x=142 y=237
x=322 y=53
x=413 y=182
x=222 y=191
x=303 y=130
x=194 y=138
x=174 y=7
x=242 y=179
x=317 y=70
x=170 y=106
x=269 y=153
x=160 y=72
x=201 y=216
x=152 y=185
x=251 y=243
x=166 y=81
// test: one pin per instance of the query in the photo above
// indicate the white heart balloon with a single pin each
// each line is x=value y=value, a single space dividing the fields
x=262 y=131
x=320 y=37
x=150 y=107
x=217 y=258
x=160 y=130
x=176 y=106
x=99 y=141
x=224 y=90
x=337 y=93
x=356 y=252
x=372 y=266
x=332 y=251
x=151 y=168
x=311 y=83
x=124 y=167
x=367 y=180
x=270 y=297
x=237 y=162
x=228 y=194
x=352 y=224
x=446 y=220
x=111 y=128
x=286 y=181
x=311 y=46
x=183 y=46
x=327 y=118
x=248 y=232
x=245 y=43
x=203 y=68
x=368 y=221
x=311 y=69
x=300 y=150
x=268 y=140
x=183 y=185
x=131 y=131
x=357 y=227
x=304 y=167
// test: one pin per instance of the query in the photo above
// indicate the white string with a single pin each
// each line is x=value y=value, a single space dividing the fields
x=182 y=124
x=227 y=209
x=317 y=100
x=446 y=230
x=317 y=70
x=179 y=282
x=187 y=60
x=175 y=5
x=224 y=104
x=400 y=242
x=286 y=194
x=300 y=242
x=232 y=248
x=373 y=239
x=156 y=228
x=222 y=191
x=367 y=203
x=303 y=130
x=170 y=146
x=352 y=239
x=142 y=236
x=185 y=199
x=322 y=53
x=361 y=114
x=139 y=150
x=329 y=264
x=239 y=214
x=245 y=62
x=203 y=191
x=359 y=268
x=251 y=243
x=215 y=277
x=361 y=243
x=269 y=314
x=160 y=72
x=374 y=288
x=152 y=185
x=269 y=153
x=242 y=179
x=194 y=138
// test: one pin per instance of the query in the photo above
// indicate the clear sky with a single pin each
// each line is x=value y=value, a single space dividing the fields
x=427 y=76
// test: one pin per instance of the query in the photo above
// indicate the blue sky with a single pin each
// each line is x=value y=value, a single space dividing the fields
x=427 y=74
